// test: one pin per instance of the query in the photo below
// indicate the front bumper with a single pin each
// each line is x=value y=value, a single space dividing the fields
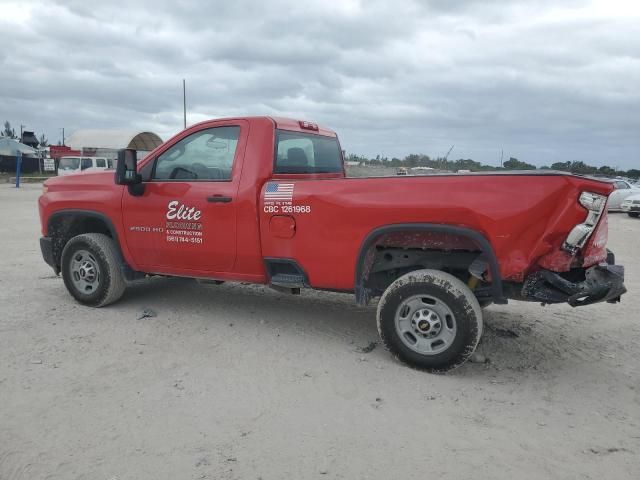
x=601 y=283
x=630 y=207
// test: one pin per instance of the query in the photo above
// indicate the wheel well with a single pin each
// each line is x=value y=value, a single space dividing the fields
x=392 y=251
x=64 y=226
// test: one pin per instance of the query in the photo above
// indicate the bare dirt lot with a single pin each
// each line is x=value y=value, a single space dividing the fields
x=240 y=382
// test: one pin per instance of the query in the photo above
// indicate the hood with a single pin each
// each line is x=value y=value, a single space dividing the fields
x=103 y=177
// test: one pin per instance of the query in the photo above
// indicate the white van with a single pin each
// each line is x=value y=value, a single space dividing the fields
x=69 y=165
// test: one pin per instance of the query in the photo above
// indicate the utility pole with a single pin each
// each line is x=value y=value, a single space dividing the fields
x=501 y=154
x=21 y=130
x=62 y=135
x=184 y=101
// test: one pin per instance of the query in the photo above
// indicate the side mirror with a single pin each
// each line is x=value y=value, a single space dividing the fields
x=127 y=168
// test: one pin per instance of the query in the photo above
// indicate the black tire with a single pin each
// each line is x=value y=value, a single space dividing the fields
x=633 y=214
x=445 y=289
x=104 y=257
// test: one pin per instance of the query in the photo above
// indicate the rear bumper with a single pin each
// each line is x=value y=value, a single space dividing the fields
x=630 y=207
x=601 y=283
x=46 y=246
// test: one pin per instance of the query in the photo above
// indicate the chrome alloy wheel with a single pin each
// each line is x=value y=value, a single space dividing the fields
x=425 y=324
x=85 y=272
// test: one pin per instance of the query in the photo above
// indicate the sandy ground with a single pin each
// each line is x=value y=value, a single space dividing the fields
x=240 y=382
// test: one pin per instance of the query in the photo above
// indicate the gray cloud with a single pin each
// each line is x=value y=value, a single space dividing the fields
x=541 y=81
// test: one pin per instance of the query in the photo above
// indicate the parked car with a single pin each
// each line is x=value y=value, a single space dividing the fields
x=631 y=205
x=69 y=165
x=622 y=190
x=265 y=200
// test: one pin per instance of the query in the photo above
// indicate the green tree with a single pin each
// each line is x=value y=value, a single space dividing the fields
x=578 y=166
x=422 y=160
x=606 y=170
x=562 y=166
x=515 y=164
x=43 y=141
x=464 y=164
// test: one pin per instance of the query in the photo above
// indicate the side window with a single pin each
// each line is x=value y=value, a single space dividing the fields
x=109 y=163
x=204 y=155
x=100 y=162
x=86 y=163
x=621 y=185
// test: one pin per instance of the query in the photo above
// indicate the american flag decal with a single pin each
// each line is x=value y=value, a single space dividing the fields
x=279 y=191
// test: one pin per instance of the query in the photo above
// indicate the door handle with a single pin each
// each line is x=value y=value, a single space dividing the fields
x=218 y=199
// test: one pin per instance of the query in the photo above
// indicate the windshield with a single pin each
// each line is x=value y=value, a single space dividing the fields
x=307 y=153
x=69 y=163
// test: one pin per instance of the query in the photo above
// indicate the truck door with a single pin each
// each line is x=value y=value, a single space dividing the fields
x=185 y=220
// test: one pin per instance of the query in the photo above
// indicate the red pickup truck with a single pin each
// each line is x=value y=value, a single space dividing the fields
x=266 y=200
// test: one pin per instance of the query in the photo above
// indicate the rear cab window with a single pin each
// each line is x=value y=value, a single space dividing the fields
x=304 y=153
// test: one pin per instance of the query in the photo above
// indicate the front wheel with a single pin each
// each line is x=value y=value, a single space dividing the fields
x=430 y=320
x=91 y=269
x=633 y=214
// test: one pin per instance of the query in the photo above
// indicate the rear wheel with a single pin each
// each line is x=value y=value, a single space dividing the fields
x=633 y=214
x=91 y=269
x=430 y=320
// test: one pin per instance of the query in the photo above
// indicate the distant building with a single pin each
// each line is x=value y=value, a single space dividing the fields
x=29 y=138
x=10 y=148
x=57 y=151
x=106 y=143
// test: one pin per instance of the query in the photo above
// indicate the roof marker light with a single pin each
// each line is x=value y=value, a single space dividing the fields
x=308 y=125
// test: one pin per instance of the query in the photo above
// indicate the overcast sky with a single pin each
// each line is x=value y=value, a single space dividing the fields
x=545 y=81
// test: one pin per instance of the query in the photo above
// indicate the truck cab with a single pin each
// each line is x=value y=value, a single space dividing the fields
x=204 y=188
